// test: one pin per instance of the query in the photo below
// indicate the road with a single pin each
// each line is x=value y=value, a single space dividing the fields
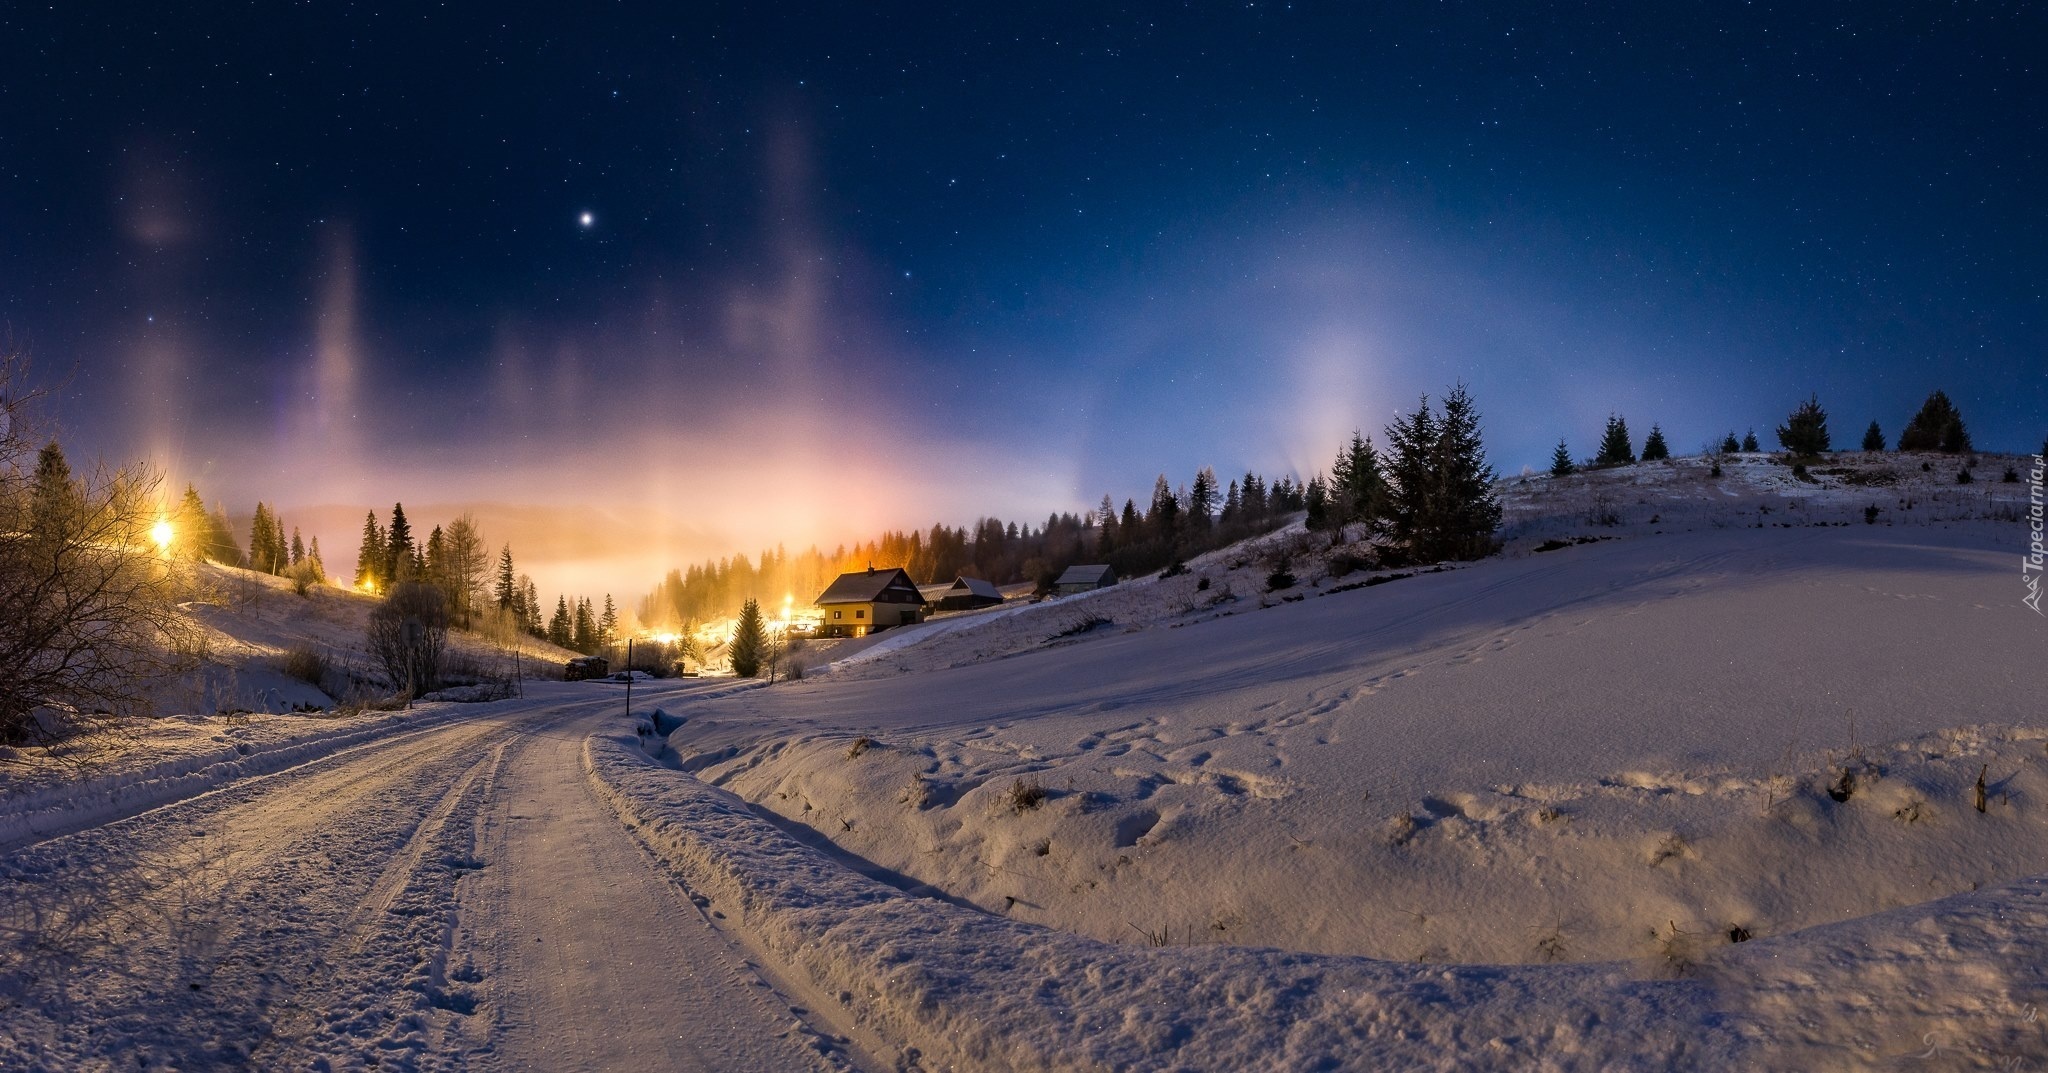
x=449 y=898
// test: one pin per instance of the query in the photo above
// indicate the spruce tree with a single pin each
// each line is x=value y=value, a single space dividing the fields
x=371 y=554
x=190 y=526
x=398 y=549
x=298 y=547
x=1358 y=487
x=583 y=628
x=1730 y=444
x=1317 y=501
x=1654 y=447
x=1749 y=443
x=1233 y=504
x=506 y=591
x=1561 y=461
x=561 y=629
x=1805 y=432
x=1615 y=448
x=1105 y=529
x=1929 y=430
x=608 y=624
x=1470 y=510
x=1164 y=518
x=1873 y=438
x=1202 y=498
x=749 y=638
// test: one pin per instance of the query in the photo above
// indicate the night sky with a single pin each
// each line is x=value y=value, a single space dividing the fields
x=642 y=282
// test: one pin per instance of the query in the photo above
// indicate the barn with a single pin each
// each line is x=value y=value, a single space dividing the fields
x=967 y=593
x=1084 y=579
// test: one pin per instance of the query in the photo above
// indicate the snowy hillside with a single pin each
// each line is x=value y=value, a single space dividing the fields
x=1733 y=716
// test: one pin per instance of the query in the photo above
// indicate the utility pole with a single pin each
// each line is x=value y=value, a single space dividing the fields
x=629 y=678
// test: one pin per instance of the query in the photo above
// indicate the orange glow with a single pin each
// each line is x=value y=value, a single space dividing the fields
x=161 y=533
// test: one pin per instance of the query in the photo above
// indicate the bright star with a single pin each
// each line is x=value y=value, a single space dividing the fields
x=586 y=219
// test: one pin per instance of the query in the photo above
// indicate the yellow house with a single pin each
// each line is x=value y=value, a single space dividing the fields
x=861 y=602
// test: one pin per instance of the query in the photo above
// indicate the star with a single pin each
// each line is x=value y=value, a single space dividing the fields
x=586 y=220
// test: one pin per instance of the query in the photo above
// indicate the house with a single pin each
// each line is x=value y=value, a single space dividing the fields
x=967 y=593
x=584 y=668
x=1083 y=579
x=861 y=602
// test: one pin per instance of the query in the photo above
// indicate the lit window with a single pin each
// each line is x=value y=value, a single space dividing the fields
x=835 y=614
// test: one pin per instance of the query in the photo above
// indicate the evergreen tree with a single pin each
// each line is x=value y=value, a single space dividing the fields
x=190 y=526
x=583 y=628
x=1202 y=498
x=313 y=556
x=1873 y=438
x=1164 y=519
x=266 y=542
x=608 y=624
x=1105 y=529
x=1615 y=446
x=1358 y=488
x=506 y=591
x=1131 y=528
x=749 y=639
x=370 y=556
x=398 y=549
x=529 y=606
x=561 y=628
x=1561 y=461
x=1730 y=445
x=1929 y=430
x=1317 y=501
x=1442 y=500
x=55 y=498
x=1654 y=447
x=1233 y=505
x=1749 y=443
x=1805 y=432
x=298 y=547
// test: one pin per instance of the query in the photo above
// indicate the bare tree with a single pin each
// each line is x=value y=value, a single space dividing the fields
x=89 y=620
x=467 y=562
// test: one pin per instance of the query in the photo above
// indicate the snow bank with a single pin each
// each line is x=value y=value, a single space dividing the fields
x=962 y=988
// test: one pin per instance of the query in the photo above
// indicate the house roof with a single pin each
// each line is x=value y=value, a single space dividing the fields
x=974 y=586
x=862 y=586
x=934 y=592
x=1089 y=574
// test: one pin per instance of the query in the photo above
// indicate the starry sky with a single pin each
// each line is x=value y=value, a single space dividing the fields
x=642 y=283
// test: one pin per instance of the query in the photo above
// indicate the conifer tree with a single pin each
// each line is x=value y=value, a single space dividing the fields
x=749 y=638
x=1317 y=501
x=1749 y=443
x=370 y=555
x=398 y=550
x=1358 y=488
x=1441 y=487
x=1654 y=447
x=1233 y=504
x=298 y=547
x=1615 y=446
x=313 y=556
x=1805 y=432
x=1164 y=519
x=1930 y=429
x=506 y=591
x=561 y=629
x=1105 y=529
x=583 y=628
x=1730 y=444
x=190 y=526
x=1873 y=438
x=608 y=624
x=1202 y=498
x=1561 y=461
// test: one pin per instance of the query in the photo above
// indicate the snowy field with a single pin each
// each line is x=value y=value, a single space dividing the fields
x=1700 y=773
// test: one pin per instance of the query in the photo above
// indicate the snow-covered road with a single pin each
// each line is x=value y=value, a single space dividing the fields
x=451 y=898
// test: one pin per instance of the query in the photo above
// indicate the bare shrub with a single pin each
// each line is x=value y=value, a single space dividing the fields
x=307 y=664
x=408 y=634
x=1024 y=796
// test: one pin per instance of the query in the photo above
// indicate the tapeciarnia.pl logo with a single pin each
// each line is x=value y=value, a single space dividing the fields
x=2031 y=564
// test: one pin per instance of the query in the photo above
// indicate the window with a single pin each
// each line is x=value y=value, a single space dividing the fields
x=862 y=613
x=835 y=614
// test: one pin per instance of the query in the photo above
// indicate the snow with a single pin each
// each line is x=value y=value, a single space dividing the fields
x=1687 y=778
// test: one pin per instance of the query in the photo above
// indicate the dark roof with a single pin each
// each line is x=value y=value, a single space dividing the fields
x=934 y=592
x=862 y=586
x=1091 y=574
x=974 y=586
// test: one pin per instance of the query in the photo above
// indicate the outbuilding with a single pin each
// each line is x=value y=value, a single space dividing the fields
x=1084 y=579
x=967 y=593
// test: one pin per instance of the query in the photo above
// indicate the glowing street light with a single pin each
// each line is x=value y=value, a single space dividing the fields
x=162 y=534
